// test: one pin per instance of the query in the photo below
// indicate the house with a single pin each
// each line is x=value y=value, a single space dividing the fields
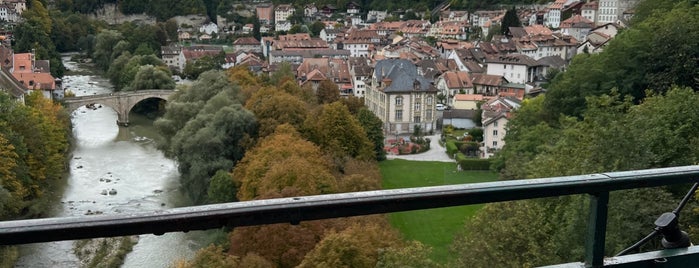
x=457 y=30
x=170 y=55
x=495 y=116
x=577 y=26
x=401 y=98
x=310 y=10
x=329 y=35
x=537 y=41
x=248 y=28
x=193 y=53
x=611 y=11
x=589 y=11
x=359 y=71
x=360 y=43
x=459 y=118
x=468 y=59
x=209 y=28
x=454 y=15
x=516 y=68
x=34 y=74
x=296 y=56
x=598 y=38
x=467 y=101
x=353 y=8
x=328 y=10
x=376 y=16
x=183 y=36
x=281 y=17
x=247 y=44
x=265 y=13
x=553 y=18
x=451 y=83
x=315 y=70
x=486 y=84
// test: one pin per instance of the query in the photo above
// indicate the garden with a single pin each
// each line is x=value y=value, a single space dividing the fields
x=463 y=145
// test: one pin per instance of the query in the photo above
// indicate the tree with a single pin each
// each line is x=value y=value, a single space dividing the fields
x=222 y=188
x=206 y=128
x=336 y=131
x=104 y=45
x=414 y=254
x=283 y=164
x=327 y=92
x=373 y=127
x=151 y=77
x=316 y=27
x=273 y=108
x=356 y=246
x=510 y=20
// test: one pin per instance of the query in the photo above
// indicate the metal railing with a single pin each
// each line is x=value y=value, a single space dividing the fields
x=296 y=209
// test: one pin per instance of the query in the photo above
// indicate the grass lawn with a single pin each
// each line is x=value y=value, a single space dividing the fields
x=433 y=227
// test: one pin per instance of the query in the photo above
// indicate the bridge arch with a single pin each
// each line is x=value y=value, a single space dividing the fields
x=121 y=102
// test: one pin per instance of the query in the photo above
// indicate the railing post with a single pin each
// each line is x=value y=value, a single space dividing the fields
x=596 y=230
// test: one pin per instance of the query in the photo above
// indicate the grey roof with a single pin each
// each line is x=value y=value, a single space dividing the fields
x=552 y=61
x=459 y=113
x=403 y=76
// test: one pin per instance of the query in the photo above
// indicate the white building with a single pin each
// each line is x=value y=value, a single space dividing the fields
x=209 y=28
x=281 y=17
x=516 y=68
x=610 y=11
x=553 y=16
x=496 y=114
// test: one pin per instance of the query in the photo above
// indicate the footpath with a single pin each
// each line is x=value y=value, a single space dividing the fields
x=435 y=153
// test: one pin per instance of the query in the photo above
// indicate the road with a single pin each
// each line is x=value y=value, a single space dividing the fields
x=435 y=153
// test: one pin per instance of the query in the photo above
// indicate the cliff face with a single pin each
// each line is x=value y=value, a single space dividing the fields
x=110 y=13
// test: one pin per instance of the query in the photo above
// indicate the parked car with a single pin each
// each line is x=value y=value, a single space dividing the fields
x=441 y=107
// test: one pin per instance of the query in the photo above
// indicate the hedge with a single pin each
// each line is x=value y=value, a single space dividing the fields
x=451 y=149
x=468 y=163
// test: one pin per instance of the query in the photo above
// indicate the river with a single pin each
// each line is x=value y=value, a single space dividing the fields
x=124 y=159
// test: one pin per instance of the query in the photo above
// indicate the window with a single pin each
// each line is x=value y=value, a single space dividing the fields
x=495 y=124
x=429 y=100
x=416 y=119
x=428 y=115
x=399 y=115
x=495 y=144
x=417 y=105
x=495 y=132
x=399 y=101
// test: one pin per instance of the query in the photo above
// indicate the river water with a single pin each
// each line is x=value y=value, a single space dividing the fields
x=124 y=159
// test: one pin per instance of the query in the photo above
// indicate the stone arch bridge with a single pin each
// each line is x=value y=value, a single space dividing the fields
x=121 y=102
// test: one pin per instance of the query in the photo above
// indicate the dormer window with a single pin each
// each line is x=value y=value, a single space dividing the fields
x=416 y=85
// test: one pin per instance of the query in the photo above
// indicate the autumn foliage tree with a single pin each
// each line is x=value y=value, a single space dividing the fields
x=273 y=107
x=339 y=133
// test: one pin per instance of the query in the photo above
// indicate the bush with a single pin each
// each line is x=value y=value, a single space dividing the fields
x=452 y=148
x=467 y=163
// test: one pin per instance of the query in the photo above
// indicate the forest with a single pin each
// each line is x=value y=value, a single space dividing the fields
x=34 y=146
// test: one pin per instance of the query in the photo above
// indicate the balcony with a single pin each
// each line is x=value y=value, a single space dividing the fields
x=297 y=209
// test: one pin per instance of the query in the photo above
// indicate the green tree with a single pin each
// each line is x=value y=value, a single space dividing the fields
x=104 y=45
x=206 y=128
x=373 y=127
x=150 y=77
x=510 y=20
x=222 y=188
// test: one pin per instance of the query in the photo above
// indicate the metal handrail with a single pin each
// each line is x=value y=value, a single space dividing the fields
x=296 y=209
